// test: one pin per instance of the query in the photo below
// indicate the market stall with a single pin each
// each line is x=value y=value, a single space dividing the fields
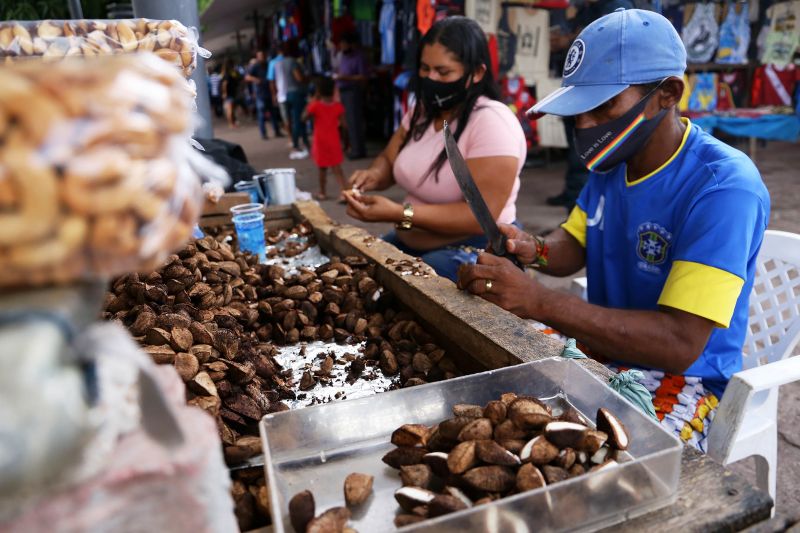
x=278 y=320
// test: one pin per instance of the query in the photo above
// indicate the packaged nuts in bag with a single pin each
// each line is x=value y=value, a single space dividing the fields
x=95 y=168
x=53 y=40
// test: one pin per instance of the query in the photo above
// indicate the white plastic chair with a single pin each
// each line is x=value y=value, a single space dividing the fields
x=746 y=419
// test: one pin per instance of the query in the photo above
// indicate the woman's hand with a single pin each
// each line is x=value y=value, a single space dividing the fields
x=373 y=208
x=499 y=281
x=519 y=243
x=365 y=180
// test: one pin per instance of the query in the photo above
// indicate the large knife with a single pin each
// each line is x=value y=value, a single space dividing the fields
x=475 y=201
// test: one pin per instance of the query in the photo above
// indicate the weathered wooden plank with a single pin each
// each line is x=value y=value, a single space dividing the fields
x=226 y=201
x=711 y=498
x=278 y=217
x=778 y=524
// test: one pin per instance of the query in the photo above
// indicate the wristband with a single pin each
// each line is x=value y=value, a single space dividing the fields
x=542 y=251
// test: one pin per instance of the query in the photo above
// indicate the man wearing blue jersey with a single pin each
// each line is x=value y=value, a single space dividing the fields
x=668 y=226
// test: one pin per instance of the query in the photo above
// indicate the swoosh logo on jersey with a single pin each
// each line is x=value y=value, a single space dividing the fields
x=598 y=214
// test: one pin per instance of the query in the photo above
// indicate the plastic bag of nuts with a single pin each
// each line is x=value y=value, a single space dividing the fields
x=96 y=174
x=53 y=40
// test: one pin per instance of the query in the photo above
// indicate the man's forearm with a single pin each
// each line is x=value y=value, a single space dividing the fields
x=657 y=339
x=565 y=254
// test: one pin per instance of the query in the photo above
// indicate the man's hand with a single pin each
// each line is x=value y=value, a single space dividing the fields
x=519 y=243
x=373 y=208
x=499 y=281
x=365 y=180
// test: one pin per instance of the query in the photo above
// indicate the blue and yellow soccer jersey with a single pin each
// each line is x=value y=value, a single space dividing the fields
x=684 y=236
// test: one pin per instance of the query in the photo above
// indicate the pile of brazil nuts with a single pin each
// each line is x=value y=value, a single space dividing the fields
x=219 y=317
x=510 y=445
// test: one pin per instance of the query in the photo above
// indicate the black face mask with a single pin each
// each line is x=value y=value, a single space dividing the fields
x=603 y=147
x=442 y=96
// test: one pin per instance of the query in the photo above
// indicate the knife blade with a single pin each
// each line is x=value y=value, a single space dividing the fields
x=474 y=200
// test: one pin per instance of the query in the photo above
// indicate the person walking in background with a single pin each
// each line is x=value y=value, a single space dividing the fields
x=214 y=92
x=277 y=87
x=257 y=77
x=351 y=76
x=231 y=80
x=326 y=147
x=291 y=72
x=248 y=90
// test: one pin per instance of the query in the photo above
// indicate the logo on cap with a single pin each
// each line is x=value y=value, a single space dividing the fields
x=574 y=57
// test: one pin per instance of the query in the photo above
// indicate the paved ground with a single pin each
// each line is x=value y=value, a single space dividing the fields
x=778 y=163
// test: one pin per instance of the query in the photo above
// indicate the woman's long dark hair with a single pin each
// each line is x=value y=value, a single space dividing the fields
x=465 y=39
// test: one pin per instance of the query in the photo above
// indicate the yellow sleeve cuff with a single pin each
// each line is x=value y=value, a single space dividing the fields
x=576 y=225
x=702 y=290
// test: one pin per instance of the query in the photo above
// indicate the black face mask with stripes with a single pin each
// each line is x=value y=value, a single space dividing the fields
x=603 y=147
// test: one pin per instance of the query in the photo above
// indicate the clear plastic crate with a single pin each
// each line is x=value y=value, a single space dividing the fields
x=317 y=447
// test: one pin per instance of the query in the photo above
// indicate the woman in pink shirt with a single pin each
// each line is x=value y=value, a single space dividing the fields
x=453 y=83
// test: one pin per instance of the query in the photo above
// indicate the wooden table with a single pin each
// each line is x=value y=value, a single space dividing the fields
x=712 y=498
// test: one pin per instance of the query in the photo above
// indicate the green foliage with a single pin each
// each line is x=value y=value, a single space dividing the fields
x=33 y=9
x=202 y=5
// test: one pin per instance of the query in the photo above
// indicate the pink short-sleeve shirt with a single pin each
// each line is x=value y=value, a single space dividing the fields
x=492 y=131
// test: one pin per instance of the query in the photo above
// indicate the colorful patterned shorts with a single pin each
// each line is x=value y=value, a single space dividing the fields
x=682 y=404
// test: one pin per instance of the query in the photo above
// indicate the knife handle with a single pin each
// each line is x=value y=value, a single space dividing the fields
x=511 y=257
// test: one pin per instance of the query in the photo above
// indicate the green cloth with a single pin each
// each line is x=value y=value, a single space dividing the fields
x=571 y=350
x=626 y=383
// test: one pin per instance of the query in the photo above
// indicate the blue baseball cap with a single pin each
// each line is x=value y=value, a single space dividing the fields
x=624 y=48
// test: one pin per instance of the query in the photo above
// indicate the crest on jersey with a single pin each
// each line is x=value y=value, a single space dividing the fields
x=653 y=246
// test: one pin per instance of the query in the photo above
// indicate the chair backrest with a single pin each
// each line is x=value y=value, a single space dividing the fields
x=774 y=323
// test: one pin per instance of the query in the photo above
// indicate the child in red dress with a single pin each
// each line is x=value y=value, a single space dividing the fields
x=326 y=145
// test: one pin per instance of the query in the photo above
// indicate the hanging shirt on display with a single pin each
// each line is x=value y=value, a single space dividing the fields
x=735 y=83
x=515 y=94
x=724 y=97
x=493 y=55
x=683 y=105
x=409 y=34
x=533 y=42
x=426 y=13
x=774 y=85
x=506 y=42
x=485 y=12
x=550 y=128
x=783 y=35
x=701 y=34
x=386 y=27
x=704 y=92
x=734 y=35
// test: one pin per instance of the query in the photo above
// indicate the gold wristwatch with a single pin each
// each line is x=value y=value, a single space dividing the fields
x=408 y=214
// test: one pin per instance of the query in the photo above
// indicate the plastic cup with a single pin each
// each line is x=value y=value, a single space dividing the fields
x=250 y=232
x=250 y=187
x=243 y=209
